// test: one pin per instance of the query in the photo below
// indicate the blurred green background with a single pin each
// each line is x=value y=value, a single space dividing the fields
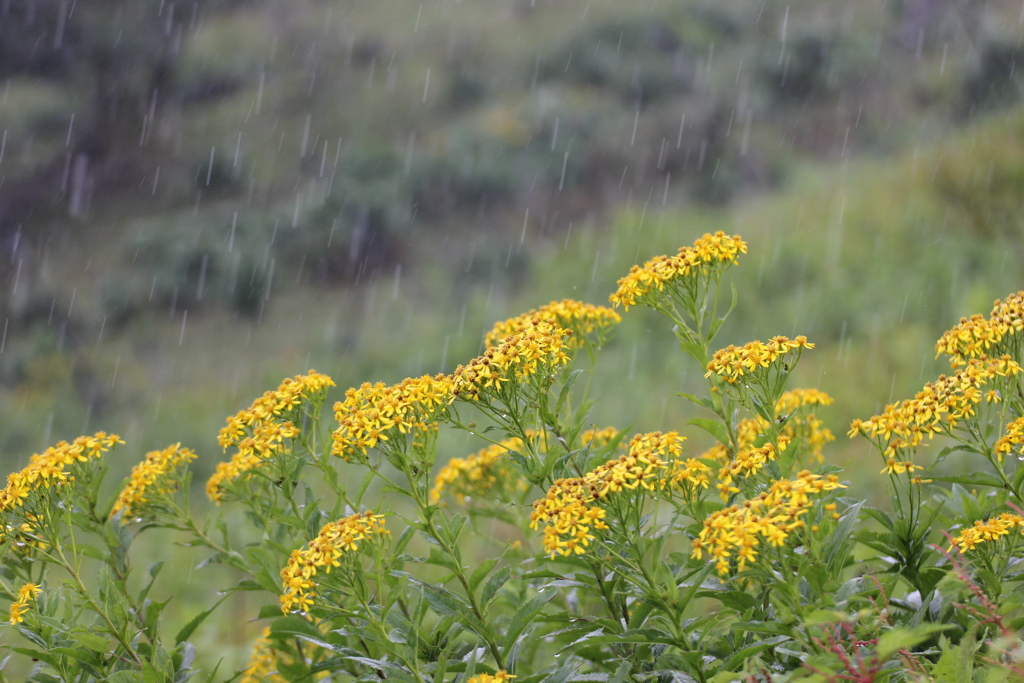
x=198 y=199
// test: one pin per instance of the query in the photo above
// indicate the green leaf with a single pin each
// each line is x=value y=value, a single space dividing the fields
x=187 y=630
x=363 y=486
x=480 y=573
x=838 y=545
x=89 y=658
x=742 y=655
x=37 y=654
x=701 y=401
x=904 y=639
x=824 y=617
x=880 y=517
x=446 y=603
x=563 y=395
x=770 y=627
x=974 y=479
x=91 y=641
x=737 y=600
x=788 y=456
x=712 y=427
x=524 y=615
x=493 y=585
x=441 y=559
x=294 y=625
x=125 y=677
x=621 y=674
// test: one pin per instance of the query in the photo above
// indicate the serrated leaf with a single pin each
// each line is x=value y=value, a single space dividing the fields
x=480 y=573
x=621 y=674
x=493 y=585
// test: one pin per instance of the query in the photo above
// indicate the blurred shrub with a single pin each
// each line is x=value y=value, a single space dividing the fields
x=640 y=60
x=994 y=80
x=803 y=72
x=466 y=86
x=218 y=174
x=355 y=231
x=982 y=178
x=193 y=262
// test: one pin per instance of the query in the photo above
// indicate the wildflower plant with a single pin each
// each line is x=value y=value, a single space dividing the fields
x=559 y=550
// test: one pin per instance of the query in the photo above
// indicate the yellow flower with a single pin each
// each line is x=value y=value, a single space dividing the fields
x=275 y=406
x=570 y=510
x=938 y=408
x=158 y=475
x=734 y=362
x=583 y=320
x=375 y=413
x=500 y=677
x=737 y=531
x=678 y=274
x=479 y=474
x=988 y=530
x=18 y=608
x=49 y=469
x=978 y=337
x=1014 y=437
x=538 y=348
x=325 y=552
x=261 y=430
x=262 y=664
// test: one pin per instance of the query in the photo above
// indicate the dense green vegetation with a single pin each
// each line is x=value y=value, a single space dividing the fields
x=364 y=188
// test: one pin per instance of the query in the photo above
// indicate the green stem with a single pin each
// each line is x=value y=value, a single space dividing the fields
x=83 y=591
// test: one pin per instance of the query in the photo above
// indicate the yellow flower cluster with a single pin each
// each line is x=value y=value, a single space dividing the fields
x=738 y=530
x=50 y=467
x=477 y=474
x=988 y=530
x=569 y=510
x=539 y=347
x=266 y=441
x=260 y=431
x=500 y=677
x=1014 y=436
x=157 y=475
x=580 y=318
x=18 y=608
x=262 y=664
x=734 y=362
x=597 y=438
x=978 y=336
x=324 y=551
x=970 y=338
x=794 y=399
x=749 y=460
x=272 y=406
x=707 y=253
x=375 y=413
x=938 y=407
x=689 y=475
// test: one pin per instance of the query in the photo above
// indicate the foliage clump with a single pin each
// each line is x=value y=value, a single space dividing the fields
x=560 y=550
